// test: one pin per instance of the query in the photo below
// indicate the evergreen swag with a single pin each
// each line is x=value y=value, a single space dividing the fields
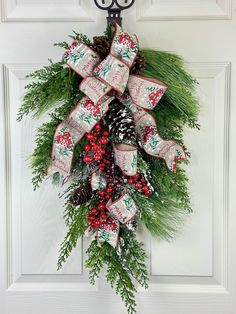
x=55 y=88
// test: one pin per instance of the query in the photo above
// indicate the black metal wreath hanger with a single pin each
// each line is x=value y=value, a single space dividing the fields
x=114 y=8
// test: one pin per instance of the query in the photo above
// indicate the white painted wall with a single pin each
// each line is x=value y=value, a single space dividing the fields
x=193 y=274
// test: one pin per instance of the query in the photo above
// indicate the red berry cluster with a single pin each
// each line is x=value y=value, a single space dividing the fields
x=96 y=149
x=98 y=216
x=140 y=183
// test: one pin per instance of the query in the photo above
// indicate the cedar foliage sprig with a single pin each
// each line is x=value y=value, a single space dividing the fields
x=76 y=221
x=51 y=84
x=120 y=268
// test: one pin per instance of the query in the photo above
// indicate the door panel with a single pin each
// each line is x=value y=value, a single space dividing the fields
x=192 y=274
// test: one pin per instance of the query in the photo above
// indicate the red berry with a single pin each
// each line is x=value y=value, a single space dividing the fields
x=98 y=127
x=106 y=133
x=96 y=134
x=95 y=147
x=109 y=190
x=91 y=218
x=107 y=162
x=138 y=185
x=145 y=188
x=103 y=216
x=143 y=180
x=98 y=157
x=94 y=211
x=130 y=181
x=102 y=167
x=87 y=147
x=113 y=226
x=104 y=140
x=102 y=151
x=148 y=193
x=97 y=222
x=87 y=159
x=101 y=193
x=102 y=206
x=136 y=176
x=107 y=197
x=93 y=225
x=90 y=136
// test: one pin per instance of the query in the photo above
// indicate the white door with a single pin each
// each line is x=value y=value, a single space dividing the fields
x=194 y=274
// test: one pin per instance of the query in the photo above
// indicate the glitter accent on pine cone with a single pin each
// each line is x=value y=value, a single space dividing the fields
x=120 y=122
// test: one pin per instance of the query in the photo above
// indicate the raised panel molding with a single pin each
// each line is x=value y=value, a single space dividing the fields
x=73 y=277
x=219 y=76
x=154 y=10
x=57 y=11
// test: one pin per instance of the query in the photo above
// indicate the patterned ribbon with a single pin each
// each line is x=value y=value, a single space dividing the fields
x=136 y=92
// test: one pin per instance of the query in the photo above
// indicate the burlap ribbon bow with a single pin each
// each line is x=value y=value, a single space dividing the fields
x=136 y=92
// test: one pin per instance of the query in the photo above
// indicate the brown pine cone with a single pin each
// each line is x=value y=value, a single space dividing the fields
x=102 y=45
x=81 y=195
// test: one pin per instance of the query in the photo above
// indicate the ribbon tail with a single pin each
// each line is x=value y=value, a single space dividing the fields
x=154 y=145
x=151 y=141
x=109 y=232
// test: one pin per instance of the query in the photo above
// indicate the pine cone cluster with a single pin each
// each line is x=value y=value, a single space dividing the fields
x=102 y=45
x=81 y=195
x=120 y=122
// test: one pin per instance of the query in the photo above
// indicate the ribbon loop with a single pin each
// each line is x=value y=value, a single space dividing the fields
x=124 y=209
x=95 y=89
x=113 y=72
x=145 y=93
x=126 y=158
x=81 y=58
x=124 y=46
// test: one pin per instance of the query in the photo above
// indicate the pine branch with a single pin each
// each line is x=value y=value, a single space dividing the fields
x=171 y=185
x=161 y=215
x=76 y=220
x=179 y=98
